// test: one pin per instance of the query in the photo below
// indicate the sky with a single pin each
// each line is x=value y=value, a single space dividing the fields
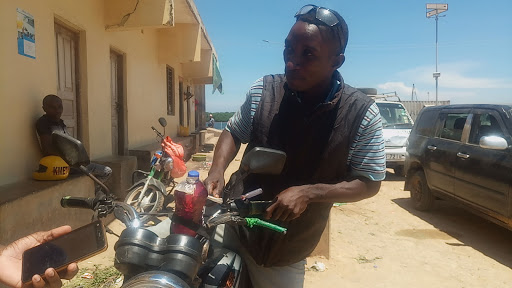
x=391 y=47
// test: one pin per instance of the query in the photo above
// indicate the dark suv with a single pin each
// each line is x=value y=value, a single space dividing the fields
x=463 y=153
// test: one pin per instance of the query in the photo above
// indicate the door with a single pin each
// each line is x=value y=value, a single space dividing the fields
x=67 y=43
x=441 y=151
x=117 y=103
x=482 y=176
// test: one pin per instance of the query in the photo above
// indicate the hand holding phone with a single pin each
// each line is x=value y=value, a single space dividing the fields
x=11 y=259
x=62 y=251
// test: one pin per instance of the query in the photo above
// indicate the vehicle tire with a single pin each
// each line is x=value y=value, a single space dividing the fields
x=399 y=171
x=149 y=202
x=421 y=196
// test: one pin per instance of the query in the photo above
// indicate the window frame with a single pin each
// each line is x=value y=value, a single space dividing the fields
x=170 y=93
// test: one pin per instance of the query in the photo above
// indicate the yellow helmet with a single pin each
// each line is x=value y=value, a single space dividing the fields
x=51 y=168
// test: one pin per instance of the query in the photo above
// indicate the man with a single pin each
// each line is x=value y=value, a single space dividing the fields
x=211 y=122
x=49 y=122
x=331 y=133
x=11 y=255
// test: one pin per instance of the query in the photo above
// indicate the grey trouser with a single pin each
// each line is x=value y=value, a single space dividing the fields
x=99 y=171
x=261 y=277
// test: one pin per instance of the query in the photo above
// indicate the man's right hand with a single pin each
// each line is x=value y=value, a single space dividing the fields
x=214 y=183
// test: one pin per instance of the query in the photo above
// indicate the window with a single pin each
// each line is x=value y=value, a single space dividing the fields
x=425 y=124
x=170 y=91
x=453 y=126
x=484 y=124
x=394 y=116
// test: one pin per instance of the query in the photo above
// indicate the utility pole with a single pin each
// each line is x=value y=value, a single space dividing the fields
x=435 y=10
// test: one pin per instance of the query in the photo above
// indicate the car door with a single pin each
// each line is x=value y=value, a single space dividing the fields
x=483 y=176
x=441 y=150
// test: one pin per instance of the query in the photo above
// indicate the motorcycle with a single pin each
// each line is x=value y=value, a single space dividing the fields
x=182 y=261
x=152 y=193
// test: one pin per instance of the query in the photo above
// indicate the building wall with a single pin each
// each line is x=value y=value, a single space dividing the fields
x=25 y=81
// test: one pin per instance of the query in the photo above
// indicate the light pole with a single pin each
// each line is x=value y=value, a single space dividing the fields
x=435 y=10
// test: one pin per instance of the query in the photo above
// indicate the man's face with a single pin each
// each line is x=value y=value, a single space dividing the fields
x=309 y=58
x=53 y=108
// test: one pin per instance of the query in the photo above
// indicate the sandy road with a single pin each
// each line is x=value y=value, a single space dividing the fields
x=384 y=242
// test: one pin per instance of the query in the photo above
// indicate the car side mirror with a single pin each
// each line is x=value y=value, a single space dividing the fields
x=70 y=149
x=493 y=142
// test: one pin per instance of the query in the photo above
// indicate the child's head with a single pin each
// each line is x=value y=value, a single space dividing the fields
x=52 y=105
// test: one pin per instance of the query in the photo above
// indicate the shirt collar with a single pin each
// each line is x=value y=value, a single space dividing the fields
x=337 y=85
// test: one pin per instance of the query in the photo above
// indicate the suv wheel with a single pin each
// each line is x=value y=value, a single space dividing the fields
x=399 y=171
x=421 y=195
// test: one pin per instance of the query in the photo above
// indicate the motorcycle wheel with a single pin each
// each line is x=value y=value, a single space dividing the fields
x=150 y=201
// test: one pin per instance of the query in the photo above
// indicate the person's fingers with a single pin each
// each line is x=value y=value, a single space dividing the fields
x=270 y=211
x=210 y=186
x=37 y=282
x=70 y=271
x=287 y=215
x=52 y=278
x=54 y=233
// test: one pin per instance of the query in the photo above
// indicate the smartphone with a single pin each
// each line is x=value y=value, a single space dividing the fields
x=77 y=245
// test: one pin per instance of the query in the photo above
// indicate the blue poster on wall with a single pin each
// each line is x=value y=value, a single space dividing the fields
x=26 y=34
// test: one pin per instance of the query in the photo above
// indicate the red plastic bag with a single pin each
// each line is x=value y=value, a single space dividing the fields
x=176 y=152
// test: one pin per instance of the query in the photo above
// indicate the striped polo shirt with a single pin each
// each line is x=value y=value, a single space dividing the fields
x=366 y=157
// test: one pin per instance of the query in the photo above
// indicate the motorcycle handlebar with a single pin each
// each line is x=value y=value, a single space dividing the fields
x=78 y=202
x=157 y=132
x=122 y=211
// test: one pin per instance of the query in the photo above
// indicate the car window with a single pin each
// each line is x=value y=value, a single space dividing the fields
x=484 y=124
x=453 y=124
x=425 y=123
x=394 y=115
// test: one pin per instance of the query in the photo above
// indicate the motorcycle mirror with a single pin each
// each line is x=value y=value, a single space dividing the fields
x=263 y=161
x=71 y=150
x=162 y=121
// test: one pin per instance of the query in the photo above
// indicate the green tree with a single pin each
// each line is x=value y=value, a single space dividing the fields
x=219 y=116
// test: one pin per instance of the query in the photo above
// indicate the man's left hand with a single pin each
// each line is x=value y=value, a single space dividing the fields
x=289 y=204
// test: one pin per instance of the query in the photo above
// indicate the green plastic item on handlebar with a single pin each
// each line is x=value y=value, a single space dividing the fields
x=258 y=222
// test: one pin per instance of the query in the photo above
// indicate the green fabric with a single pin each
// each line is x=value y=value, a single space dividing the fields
x=217 y=79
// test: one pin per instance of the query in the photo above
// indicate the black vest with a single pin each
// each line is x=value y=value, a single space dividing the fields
x=317 y=143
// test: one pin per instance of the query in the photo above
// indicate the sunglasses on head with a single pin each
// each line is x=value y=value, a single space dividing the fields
x=322 y=14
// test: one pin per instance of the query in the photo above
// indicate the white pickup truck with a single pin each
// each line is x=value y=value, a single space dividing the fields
x=396 y=126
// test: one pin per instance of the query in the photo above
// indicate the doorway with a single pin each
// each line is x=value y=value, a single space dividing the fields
x=67 y=75
x=117 y=104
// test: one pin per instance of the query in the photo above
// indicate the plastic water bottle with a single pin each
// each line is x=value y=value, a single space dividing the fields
x=189 y=199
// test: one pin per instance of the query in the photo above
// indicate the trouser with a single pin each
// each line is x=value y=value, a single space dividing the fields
x=101 y=172
x=260 y=277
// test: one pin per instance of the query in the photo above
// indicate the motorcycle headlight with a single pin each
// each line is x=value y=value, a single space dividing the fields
x=168 y=164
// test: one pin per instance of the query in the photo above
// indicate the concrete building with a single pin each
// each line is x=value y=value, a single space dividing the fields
x=118 y=65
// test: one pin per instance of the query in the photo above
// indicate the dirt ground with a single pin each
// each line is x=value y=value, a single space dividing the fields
x=384 y=242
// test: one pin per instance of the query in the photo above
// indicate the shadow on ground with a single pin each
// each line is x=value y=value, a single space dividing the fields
x=469 y=229
x=391 y=176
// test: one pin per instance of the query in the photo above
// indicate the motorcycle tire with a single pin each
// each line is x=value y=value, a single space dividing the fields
x=152 y=201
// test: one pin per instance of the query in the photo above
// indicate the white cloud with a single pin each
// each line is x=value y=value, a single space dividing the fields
x=457 y=84
x=454 y=75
